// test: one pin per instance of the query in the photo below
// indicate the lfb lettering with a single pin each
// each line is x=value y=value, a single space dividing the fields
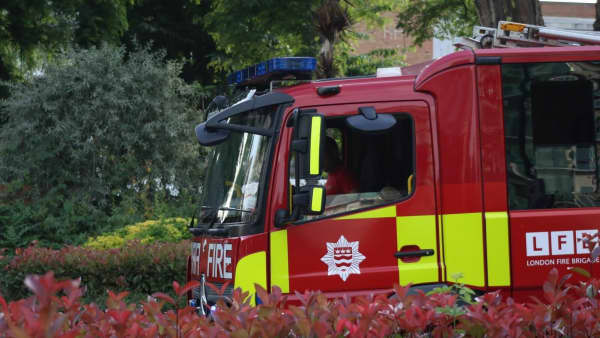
x=218 y=260
x=558 y=242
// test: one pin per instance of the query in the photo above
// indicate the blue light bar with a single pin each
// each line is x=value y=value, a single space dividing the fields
x=273 y=69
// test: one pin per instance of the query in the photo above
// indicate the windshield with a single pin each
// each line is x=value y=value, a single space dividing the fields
x=234 y=171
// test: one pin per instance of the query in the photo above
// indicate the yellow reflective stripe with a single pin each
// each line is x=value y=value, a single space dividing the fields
x=498 y=251
x=317 y=199
x=385 y=212
x=250 y=270
x=463 y=248
x=417 y=230
x=280 y=275
x=315 y=144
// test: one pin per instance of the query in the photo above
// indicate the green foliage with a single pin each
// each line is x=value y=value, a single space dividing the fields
x=247 y=32
x=52 y=220
x=32 y=30
x=100 y=21
x=465 y=294
x=25 y=25
x=162 y=230
x=367 y=64
x=176 y=27
x=139 y=268
x=98 y=136
x=369 y=11
x=426 y=19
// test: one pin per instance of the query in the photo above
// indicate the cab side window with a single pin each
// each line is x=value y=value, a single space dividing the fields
x=365 y=170
x=552 y=134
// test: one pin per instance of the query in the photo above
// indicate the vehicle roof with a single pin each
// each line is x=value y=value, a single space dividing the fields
x=352 y=90
x=388 y=88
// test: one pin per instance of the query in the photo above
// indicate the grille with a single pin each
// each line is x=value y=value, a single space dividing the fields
x=211 y=295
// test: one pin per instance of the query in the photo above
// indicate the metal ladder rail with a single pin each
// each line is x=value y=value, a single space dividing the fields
x=512 y=34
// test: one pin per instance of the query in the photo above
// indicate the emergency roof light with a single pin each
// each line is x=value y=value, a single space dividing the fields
x=299 y=68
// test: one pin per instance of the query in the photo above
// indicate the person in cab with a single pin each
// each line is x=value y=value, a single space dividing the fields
x=339 y=179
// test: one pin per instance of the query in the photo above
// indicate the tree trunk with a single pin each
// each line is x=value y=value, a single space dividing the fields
x=524 y=11
x=528 y=11
x=331 y=21
x=486 y=12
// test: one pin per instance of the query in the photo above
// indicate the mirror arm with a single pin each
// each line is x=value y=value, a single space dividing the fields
x=300 y=146
x=283 y=217
x=301 y=198
x=297 y=162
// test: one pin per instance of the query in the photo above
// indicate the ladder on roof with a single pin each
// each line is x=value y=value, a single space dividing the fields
x=513 y=34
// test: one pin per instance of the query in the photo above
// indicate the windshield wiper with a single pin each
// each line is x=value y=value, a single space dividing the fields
x=215 y=214
x=207 y=228
x=224 y=208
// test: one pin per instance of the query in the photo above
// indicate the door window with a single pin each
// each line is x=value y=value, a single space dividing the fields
x=364 y=170
x=552 y=133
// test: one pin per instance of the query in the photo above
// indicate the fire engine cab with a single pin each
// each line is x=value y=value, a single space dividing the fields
x=480 y=167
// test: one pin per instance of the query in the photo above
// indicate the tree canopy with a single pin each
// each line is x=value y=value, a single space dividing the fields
x=247 y=32
x=177 y=27
x=30 y=29
x=213 y=37
x=425 y=19
x=250 y=31
x=95 y=128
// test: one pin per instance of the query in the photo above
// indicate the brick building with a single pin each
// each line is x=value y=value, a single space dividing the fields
x=559 y=14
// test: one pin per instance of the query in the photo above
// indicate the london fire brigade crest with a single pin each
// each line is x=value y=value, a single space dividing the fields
x=343 y=258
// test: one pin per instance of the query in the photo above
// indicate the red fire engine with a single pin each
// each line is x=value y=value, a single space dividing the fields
x=480 y=167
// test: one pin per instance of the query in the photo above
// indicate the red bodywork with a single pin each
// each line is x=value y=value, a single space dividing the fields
x=457 y=109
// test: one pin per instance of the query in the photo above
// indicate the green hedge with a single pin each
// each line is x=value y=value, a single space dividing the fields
x=163 y=230
x=139 y=268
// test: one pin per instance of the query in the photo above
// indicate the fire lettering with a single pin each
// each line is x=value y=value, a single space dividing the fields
x=218 y=260
x=195 y=264
x=226 y=260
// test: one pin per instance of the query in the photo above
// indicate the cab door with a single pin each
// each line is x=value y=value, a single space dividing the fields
x=550 y=143
x=382 y=232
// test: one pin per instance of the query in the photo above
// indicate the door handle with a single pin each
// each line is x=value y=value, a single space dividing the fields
x=415 y=253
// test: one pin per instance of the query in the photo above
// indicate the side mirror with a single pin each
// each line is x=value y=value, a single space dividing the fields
x=309 y=136
x=310 y=200
x=210 y=137
x=307 y=144
x=368 y=121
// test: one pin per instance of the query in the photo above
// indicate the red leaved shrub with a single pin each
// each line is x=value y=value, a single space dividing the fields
x=55 y=309
x=136 y=267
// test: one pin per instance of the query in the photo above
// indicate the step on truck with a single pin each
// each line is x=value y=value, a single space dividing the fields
x=480 y=167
